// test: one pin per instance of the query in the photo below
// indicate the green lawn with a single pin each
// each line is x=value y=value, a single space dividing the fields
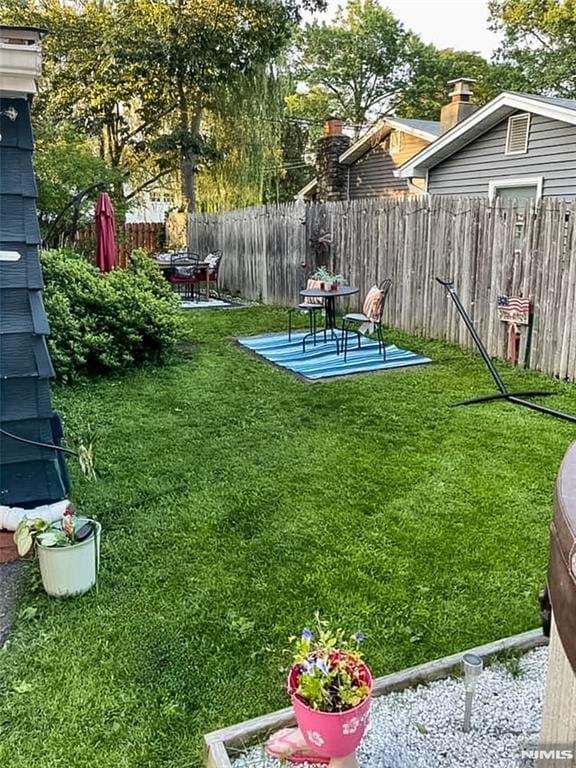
x=236 y=501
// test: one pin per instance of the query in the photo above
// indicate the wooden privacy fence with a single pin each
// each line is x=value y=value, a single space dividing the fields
x=129 y=237
x=488 y=250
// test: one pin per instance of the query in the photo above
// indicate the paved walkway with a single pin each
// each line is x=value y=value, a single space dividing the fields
x=9 y=582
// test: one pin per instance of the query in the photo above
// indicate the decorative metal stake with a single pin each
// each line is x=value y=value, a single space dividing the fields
x=472 y=666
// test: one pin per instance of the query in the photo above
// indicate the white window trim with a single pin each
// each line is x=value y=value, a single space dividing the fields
x=516 y=181
x=519 y=151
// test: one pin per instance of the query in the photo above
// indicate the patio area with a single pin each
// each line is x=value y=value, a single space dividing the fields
x=237 y=501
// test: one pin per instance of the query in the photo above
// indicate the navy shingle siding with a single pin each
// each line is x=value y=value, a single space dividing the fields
x=29 y=474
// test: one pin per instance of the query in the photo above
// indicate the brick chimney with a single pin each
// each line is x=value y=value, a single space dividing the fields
x=460 y=105
x=330 y=173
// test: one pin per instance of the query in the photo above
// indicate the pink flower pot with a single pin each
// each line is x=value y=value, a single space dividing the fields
x=331 y=734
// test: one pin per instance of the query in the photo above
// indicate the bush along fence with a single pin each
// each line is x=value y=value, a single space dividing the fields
x=129 y=237
x=489 y=250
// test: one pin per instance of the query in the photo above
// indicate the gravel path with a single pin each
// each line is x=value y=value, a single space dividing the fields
x=9 y=582
x=421 y=727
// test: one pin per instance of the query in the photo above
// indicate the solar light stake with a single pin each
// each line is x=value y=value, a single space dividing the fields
x=472 y=667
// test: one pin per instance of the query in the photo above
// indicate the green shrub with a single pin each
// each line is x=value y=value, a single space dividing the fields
x=106 y=322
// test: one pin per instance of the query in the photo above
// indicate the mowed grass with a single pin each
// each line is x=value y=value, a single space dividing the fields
x=237 y=501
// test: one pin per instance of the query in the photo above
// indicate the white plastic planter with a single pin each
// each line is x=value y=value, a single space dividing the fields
x=69 y=571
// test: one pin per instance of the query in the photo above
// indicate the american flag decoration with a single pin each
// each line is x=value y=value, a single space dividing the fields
x=514 y=309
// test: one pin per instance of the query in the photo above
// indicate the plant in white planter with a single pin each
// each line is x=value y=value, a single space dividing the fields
x=68 y=552
x=330 y=688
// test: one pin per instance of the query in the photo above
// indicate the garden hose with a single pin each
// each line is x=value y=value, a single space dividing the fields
x=38 y=444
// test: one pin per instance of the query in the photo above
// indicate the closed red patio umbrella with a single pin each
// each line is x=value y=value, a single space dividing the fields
x=105 y=234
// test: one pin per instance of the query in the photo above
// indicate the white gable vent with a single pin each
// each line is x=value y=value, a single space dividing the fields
x=517 y=136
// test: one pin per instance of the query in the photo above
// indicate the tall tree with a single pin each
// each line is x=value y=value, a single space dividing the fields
x=540 y=39
x=361 y=61
x=187 y=51
x=139 y=75
x=85 y=83
x=245 y=129
x=427 y=91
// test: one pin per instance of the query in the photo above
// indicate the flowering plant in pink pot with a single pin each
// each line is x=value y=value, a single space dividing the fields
x=330 y=688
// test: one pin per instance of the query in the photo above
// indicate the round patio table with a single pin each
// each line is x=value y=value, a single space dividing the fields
x=330 y=311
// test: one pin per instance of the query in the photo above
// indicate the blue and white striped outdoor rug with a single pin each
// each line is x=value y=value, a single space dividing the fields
x=321 y=361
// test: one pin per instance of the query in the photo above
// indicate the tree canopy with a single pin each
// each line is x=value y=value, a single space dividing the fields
x=427 y=92
x=366 y=63
x=139 y=75
x=539 y=39
x=360 y=62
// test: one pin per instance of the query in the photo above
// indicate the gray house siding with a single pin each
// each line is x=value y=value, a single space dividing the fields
x=551 y=154
x=373 y=176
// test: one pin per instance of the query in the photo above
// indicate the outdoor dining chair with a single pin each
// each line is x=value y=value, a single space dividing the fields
x=188 y=270
x=311 y=306
x=209 y=271
x=370 y=318
x=182 y=272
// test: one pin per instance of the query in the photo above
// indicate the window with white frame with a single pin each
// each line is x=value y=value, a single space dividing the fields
x=525 y=190
x=521 y=188
x=517 y=134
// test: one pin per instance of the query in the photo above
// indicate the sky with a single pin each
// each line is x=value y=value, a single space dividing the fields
x=460 y=24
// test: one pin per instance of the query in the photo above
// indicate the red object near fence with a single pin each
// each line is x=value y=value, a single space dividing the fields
x=129 y=237
x=105 y=233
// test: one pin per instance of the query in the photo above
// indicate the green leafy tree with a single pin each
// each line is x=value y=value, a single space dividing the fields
x=65 y=165
x=428 y=89
x=360 y=62
x=186 y=52
x=539 y=39
x=86 y=84
x=140 y=75
x=244 y=126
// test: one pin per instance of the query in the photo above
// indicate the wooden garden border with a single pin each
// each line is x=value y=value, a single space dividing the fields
x=216 y=744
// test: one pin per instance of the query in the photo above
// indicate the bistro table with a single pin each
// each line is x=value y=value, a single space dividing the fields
x=168 y=263
x=329 y=309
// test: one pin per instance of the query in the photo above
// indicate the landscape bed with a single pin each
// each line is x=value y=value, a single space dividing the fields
x=416 y=718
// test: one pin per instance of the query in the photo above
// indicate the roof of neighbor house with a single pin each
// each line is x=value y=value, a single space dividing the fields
x=424 y=129
x=483 y=120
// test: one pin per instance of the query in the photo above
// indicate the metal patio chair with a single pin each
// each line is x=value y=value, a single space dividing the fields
x=367 y=317
x=209 y=271
x=183 y=274
x=311 y=307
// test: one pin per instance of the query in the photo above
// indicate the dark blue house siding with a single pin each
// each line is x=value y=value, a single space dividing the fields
x=24 y=399
x=551 y=154
x=24 y=273
x=29 y=474
x=17 y=174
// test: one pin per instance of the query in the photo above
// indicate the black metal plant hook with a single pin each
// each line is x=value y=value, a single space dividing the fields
x=512 y=397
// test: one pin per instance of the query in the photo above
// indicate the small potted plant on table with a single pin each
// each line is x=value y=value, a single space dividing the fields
x=327 y=281
x=68 y=552
x=330 y=688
